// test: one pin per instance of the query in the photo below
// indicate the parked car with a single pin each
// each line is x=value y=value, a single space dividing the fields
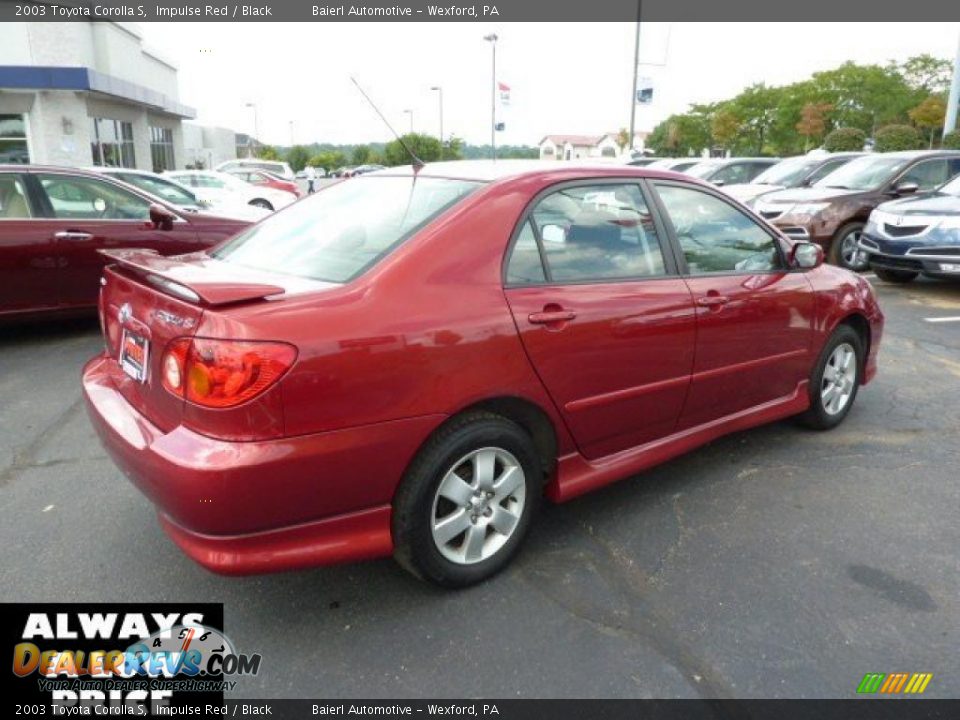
x=341 y=172
x=643 y=160
x=266 y=179
x=54 y=220
x=919 y=234
x=407 y=362
x=834 y=211
x=801 y=171
x=730 y=171
x=278 y=168
x=224 y=188
x=674 y=164
x=364 y=169
x=181 y=196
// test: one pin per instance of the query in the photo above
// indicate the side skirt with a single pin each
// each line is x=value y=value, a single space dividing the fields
x=576 y=475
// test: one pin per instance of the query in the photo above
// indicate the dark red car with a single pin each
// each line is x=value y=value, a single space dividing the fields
x=53 y=222
x=255 y=176
x=407 y=362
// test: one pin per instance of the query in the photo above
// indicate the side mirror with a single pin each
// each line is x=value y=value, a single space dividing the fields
x=906 y=187
x=719 y=183
x=161 y=218
x=806 y=256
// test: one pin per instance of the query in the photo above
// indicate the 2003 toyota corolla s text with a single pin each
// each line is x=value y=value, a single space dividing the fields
x=408 y=361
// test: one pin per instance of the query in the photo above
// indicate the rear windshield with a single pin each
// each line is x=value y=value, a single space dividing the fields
x=341 y=231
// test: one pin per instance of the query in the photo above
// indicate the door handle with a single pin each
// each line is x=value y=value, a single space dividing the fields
x=713 y=300
x=549 y=317
x=74 y=235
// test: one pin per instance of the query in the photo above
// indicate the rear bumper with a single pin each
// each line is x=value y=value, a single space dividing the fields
x=249 y=507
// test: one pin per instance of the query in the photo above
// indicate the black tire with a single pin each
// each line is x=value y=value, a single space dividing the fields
x=413 y=505
x=261 y=203
x=895 y=276
x=818 y=417
x=836 y=247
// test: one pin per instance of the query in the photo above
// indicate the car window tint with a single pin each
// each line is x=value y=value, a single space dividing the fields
x=715 y=236
x=954 y=167
x=13 y=198
x=161 y=188
x=598 y=232
x=928 y=174
x=733 y=174
x=525 y=265
x=73 y=196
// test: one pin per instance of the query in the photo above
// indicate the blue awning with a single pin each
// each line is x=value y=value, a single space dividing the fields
x=32 y=77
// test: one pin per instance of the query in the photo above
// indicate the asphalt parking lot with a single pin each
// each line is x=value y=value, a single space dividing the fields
x=778 y=562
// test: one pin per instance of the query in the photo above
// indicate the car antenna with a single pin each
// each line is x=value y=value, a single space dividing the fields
x=417 y=162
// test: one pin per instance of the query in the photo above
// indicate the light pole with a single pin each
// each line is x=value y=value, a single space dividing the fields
x=410 y=113
x=256 y=130
x=439 y=90
x=950 y=122
x=292 y=138
x=492 y=39
x=633 y=91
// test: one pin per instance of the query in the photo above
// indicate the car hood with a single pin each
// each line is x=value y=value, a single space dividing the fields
x=749 y=191
x=814 y=194
x=926 y=205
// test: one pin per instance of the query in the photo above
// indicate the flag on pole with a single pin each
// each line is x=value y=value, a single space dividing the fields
x=504 y=93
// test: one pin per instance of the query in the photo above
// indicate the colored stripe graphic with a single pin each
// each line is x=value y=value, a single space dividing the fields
x=871 y=682
x=907 y=683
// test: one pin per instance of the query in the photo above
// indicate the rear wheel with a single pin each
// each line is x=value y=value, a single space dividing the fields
x=895 y=276
x=835 y=380
x=845 y=250
x=467 y=501
x=261 y=203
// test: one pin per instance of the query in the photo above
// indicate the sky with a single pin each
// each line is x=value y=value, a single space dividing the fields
x=565 y=78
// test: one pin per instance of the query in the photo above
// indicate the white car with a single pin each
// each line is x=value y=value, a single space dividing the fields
x=278 y=168
x=222 y=188
x=183 y=197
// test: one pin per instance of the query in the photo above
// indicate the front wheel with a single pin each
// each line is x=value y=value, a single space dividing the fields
x=895 y=276
x=467 y=501
x=835 y=380
x=845 y=250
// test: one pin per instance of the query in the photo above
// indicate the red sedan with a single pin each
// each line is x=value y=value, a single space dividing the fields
x=255 y=176
x=408 y=362
x=53 y=222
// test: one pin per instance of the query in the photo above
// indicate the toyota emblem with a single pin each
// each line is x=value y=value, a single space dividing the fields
x=125 y=313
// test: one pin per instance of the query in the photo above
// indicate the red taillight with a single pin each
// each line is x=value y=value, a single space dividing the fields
x=223 y=373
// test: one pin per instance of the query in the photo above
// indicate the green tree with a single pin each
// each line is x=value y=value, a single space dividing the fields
x=929 y=116
x=892 y=138
x=952 y=140
x=425 y=147
x=930 y=75
x=298 y=157
x=361 y=155
x=329 y=160
x=724 y=127
x=845 y=140
x=266 y=152
x=756 y=111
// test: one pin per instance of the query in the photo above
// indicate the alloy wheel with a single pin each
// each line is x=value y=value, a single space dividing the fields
x=839 y=379
x=853 y=257
x=478 y=505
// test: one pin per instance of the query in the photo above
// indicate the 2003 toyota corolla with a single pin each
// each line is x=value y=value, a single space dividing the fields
x=408 y=361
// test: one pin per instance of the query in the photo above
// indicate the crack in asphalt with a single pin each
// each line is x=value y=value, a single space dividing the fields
x=24 y=457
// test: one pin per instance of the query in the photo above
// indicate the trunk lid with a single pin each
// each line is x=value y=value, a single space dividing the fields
x=155 y=299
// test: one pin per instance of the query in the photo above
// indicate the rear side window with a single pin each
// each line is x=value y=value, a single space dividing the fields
x=337 y=233
x=588 y=233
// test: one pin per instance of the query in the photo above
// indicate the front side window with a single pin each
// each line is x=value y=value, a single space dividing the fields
x=13 y=198
x=865 y=173
x=112 y=143
x=13 y=140
x=590 y=233
x=76 y=197
x=338 y=233
x=928 y=174
x=715 y=236
x=161 y=188
x=733 y=174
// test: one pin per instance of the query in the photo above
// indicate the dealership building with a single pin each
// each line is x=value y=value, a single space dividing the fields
x=91 y=93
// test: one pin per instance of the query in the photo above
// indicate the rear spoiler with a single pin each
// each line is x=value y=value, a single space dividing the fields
x=186 y=277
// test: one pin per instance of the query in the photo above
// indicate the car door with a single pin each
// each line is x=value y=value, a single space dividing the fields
x=92 y=214
x=754 y=316
x=606 y=321
x=28 y=260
